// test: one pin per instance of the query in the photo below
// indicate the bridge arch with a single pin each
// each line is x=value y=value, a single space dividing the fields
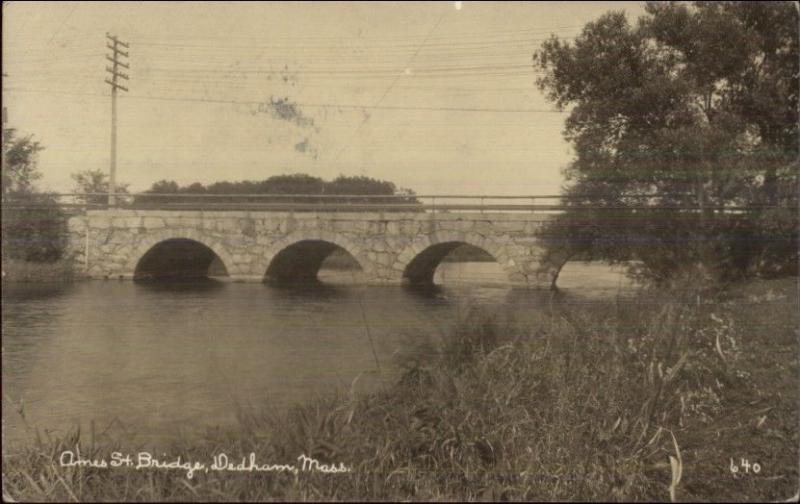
x=299 y=255
x=419 y=260
x=156 y=245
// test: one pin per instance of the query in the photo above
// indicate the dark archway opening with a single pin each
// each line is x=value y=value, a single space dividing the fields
x=457 y=258
x=305 y=262
x=179 y=259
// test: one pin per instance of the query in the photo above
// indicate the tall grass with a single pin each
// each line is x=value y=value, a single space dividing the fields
x=634 y=401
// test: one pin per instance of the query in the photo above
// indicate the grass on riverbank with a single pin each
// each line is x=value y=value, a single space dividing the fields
x=644 y=401
x=17 y=271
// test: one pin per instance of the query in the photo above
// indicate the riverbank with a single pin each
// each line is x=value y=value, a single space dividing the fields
x=15 y=271
x=636 y=401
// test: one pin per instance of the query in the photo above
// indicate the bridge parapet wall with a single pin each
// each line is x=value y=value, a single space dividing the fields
x=109 y=243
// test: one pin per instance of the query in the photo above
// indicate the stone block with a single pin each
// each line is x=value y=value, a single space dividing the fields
x=76 y=224
x=100 y=222
x=511 y=226
x=286 y=226
x=153 y=222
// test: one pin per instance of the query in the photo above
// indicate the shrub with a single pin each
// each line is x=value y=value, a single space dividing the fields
x=34 y=229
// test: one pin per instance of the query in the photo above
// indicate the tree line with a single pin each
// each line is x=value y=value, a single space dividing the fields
x=293 y=184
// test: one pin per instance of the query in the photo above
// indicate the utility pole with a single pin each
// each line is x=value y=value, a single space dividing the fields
x=3 y=137
x=114 y=44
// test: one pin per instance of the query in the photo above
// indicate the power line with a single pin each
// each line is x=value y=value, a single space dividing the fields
x=466 y=45
x=53 y=59
x=452 y=36
x=309 y=105
x=255 y=86
x=302 y=64
x=323 y=71
x=391 y=85
x=63 y=22
x=37 y=44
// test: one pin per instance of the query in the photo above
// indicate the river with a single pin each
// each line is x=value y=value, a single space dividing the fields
x=160 y=360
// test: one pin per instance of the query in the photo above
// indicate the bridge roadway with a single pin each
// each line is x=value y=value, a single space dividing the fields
x=391 y=247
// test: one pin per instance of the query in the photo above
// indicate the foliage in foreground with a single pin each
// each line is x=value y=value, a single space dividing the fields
x=639 y=401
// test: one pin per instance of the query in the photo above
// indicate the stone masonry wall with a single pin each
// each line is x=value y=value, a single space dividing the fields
x=246 y=241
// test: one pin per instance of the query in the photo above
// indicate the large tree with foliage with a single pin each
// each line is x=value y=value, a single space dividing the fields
x=693 y=105
x=33 y=225
x=19 y=172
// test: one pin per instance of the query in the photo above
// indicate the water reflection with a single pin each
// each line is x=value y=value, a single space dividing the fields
x=311 y=291
x=35 y=292
x=181 y=285
x=425 y=292
x=175 y=357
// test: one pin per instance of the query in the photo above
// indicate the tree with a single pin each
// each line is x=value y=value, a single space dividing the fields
x=164 y=187
x=694 y=105
x=93 y=183
x=359 y=185
x=294 y=184
x=160 y=187
x=33 y=225
x=20 y=171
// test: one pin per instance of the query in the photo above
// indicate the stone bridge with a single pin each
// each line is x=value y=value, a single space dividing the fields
x=390 y=247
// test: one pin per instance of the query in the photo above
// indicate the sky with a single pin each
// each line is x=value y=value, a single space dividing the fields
x=438 y=97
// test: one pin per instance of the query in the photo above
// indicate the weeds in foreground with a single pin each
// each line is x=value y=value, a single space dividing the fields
x=610 y=403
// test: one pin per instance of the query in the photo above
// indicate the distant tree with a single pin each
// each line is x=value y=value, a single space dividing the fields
x=295 y=184
x=360 y=185
x=298 y=183
x=160 y=187
x=695 y=105
x=93 y=183
x=196 y=188
x=164 y=187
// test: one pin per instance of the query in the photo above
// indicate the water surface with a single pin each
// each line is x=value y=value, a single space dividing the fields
x=164 y=359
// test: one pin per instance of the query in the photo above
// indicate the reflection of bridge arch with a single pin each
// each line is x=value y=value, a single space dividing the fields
x=300 y=255
x=161 y=238
x=420 y=259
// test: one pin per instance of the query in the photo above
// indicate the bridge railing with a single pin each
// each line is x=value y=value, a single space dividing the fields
x=443 y=203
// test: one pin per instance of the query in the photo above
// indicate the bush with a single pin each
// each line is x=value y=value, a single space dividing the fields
x=660 y=246
x=34 y=229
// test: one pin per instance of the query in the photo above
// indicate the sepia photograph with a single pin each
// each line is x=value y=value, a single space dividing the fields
x=400 y=251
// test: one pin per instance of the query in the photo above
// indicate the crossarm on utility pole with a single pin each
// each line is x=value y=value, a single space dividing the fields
x=114 y=58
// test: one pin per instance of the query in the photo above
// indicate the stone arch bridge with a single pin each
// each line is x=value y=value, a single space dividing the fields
x=390 y=247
